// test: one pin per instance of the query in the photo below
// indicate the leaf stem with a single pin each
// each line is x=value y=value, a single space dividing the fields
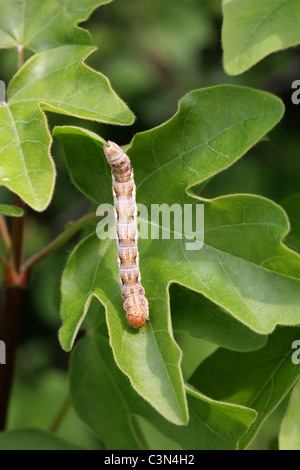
x=21 y=55
x=60 y=415
x=5 y=235
x=70 y=230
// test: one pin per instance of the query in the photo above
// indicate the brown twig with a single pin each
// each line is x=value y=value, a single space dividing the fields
x=9 y=334
x=17 y=236
x=12 y=300
x=12 y=296
x=16 y=277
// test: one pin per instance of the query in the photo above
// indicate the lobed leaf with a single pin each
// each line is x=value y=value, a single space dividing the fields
x=258 y=380
x=216 y=325
x=243 y=268
x=57 y=81
x=150 y=357
x=104 y=399
x=25 y=23
x=253 y=29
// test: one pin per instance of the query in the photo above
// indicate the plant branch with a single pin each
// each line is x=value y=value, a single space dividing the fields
x=9 y=334
x=12 y=296
x=12 y=302
x=16 y=276
x=17 y=236
x=70 y=230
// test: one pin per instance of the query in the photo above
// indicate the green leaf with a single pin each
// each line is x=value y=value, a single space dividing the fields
x=64 y=84
x=150 y=357
x=90 y=146
x=216 y=325
x=11 y=211
x=56 y=81
x=25 y=23
x=252 y=29
x=292 y=207
x=258 y=380
x=243 y=267
x=289 y=437
x=104 y=399
x=33 y=439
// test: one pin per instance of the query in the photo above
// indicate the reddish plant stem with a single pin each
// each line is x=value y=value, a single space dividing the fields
x=12 y=303
x=17 y=236
x=12 y=297
x=9 y=334
x=70 y=230
x=4 y=233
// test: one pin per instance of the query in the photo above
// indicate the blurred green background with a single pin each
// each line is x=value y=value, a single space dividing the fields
x=153 y=52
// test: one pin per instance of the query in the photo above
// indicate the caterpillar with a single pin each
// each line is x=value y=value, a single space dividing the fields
x=135 y=303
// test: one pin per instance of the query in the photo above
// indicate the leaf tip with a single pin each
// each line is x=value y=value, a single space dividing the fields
x=64 y=340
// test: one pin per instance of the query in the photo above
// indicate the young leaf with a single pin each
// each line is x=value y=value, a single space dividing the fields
x=58 y=81
x=289 y=437
x=243 y=266
x=259 y=380
x=104 y=399
x=33 y=439
x=252 y=29
x=25 y=23
x=11 y=211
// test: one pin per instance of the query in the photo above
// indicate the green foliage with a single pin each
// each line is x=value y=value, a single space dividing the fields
x=291 y=205
x=27 y=167
x=33 y=439
x=289 y=437
x=239 y=293
x=253 y=29
x=24 y=23
x=259 y=380
x=217 y=325
x=11 y=211
x=104 y=399
x=194 y=145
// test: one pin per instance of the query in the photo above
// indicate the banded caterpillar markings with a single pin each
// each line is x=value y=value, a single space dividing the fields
x=133 y=294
